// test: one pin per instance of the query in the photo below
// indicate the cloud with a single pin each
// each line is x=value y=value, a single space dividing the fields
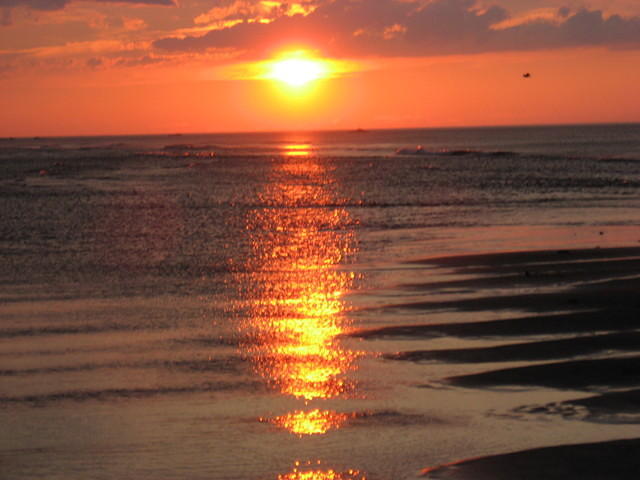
x=252 y=10
x=139 y=61
x=80 y=56
x=124 y=61
x=36 y=4
x=7 y=6
x=94 y=62
x=59 y=4
x=5 y=17
x=415 y=28
x=583 y=28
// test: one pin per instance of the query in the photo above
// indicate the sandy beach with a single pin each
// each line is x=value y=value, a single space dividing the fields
x=573 y=328
x=319 y=306
x=592 y=461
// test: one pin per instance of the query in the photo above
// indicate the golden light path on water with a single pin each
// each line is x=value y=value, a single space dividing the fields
x=308 y=472
x=295 y=297
x=312 y=422
x=297 y=312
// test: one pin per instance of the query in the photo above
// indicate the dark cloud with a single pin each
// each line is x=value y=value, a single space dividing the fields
x=5 y=17
x=50 y=5
x=94 y=62
x=564 y=12
x=133 y=61
x=139 y=61
x=415 y=28
x=6 y=62
x=36 y=4
x=141 y=2
x=583 y=28
x=58 y=4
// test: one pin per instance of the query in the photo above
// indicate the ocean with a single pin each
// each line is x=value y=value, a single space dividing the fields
x=315 y=305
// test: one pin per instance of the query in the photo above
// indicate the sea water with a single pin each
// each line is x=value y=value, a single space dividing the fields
x=182 y=306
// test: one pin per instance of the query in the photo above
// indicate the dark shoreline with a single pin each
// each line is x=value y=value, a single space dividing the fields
x=579 y=332
x=616 y=459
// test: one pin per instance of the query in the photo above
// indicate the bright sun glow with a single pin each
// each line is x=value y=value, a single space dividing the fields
x=298 y=71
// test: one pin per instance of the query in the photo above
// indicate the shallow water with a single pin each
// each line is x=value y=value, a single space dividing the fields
x=210 y=306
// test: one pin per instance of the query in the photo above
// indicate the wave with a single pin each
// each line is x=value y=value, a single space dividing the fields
x=529 y=351
x=74 y=330
x=556 y=324
x=218 y=365
x=264 y=153
x=388 y=418
x=186 y=343
x=188 y=147
x=420 y=150
x=579 y=329
x=574 y=375
x=622 y=161
x=609 y=407
x=129 y=393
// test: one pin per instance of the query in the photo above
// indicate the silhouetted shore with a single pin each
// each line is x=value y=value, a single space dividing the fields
x=574 y=328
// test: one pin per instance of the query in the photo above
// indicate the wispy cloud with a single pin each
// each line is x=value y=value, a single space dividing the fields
x=417 y=28
x=58 y=4
x=7 y=6
x=100 y=34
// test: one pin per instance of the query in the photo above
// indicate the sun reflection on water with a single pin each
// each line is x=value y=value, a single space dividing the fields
x=293 y=288
x=297 y=288
x=299 y=243
x=297 y=150
x=309 y=472
x=314 y=422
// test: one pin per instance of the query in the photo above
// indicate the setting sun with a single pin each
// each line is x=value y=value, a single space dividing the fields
x=298 y=71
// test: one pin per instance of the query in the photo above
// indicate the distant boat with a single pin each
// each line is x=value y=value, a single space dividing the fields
x=360 y=130
x=526 y=75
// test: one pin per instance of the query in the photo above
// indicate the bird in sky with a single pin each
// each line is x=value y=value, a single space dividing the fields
x=526 y=75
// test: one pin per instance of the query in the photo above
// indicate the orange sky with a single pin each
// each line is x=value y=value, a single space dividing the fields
x=72 y=67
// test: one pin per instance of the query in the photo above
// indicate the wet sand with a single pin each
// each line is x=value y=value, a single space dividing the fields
x=592 y=461
x=572 y=325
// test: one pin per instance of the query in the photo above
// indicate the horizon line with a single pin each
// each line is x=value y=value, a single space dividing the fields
x=322 y=130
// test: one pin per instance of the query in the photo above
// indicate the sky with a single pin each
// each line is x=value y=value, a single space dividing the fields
x=83 y=67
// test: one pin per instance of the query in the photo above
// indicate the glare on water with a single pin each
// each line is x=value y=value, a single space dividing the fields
x=294 y=297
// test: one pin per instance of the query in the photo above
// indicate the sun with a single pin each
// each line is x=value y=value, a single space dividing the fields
x=297 y=71
x=300 y=72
